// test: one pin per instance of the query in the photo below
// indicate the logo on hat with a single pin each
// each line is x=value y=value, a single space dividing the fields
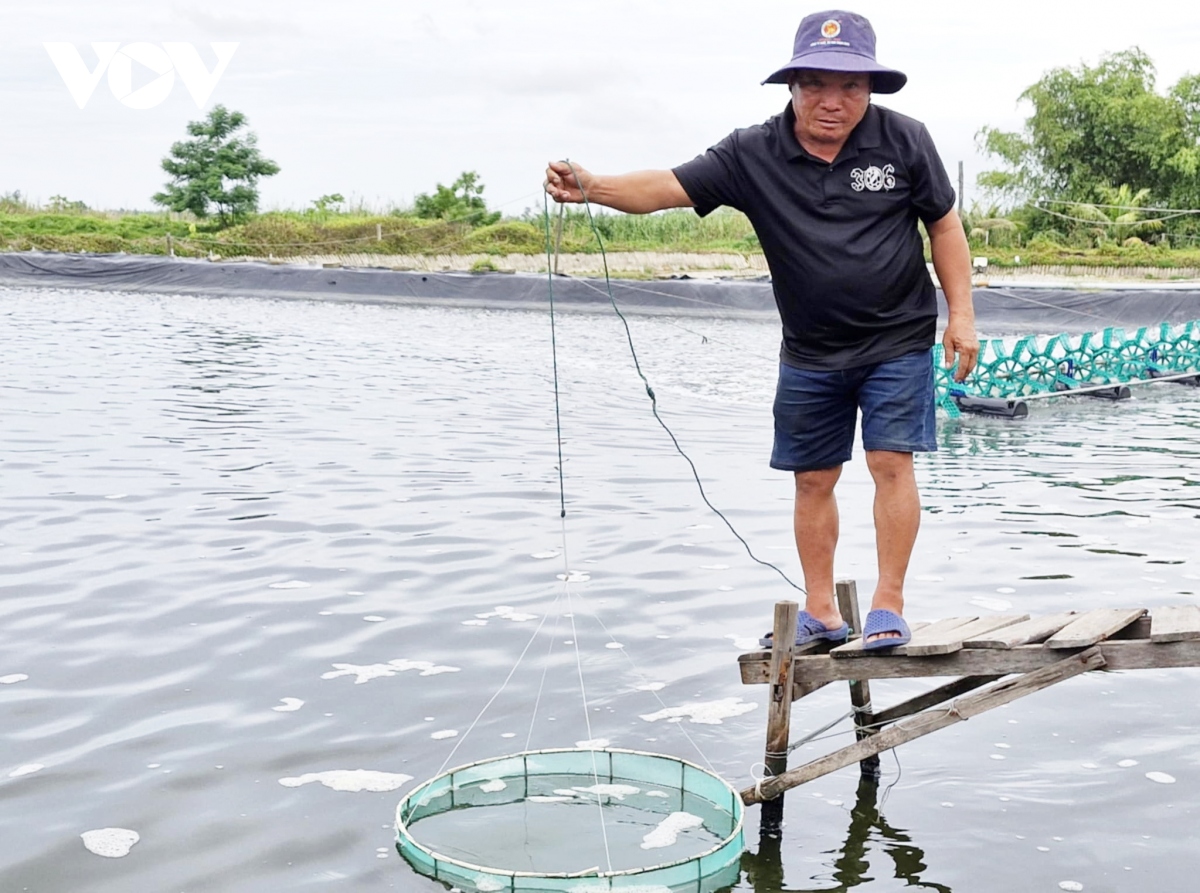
x=831 y=29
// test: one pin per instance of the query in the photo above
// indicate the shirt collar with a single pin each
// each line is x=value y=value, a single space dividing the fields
x=865 y=136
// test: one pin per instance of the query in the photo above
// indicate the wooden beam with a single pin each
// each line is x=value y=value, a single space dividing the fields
x=933 y=698
x=919 y=634
x=1093 y=627
x=964 y=708
x=1037 y=629
x=1132 y=654
x=952 y=639
x=860 y=690
x=1177 y=623
x=779 y=708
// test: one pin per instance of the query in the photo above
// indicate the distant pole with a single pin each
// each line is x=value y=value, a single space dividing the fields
x=960 y=189
x=379 y=232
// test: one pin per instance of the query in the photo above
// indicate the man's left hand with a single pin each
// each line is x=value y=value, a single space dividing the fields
x=960 y=342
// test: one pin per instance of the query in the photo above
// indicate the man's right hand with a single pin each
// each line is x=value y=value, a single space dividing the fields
x=639 y=192
x=568 y=182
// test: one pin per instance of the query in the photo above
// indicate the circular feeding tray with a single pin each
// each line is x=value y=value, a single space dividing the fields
x=574 y=820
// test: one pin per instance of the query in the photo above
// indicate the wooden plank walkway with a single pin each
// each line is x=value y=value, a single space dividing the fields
x=979 y=651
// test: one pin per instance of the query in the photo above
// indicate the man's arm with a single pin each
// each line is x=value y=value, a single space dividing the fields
x=952 y=263
x=637 y=193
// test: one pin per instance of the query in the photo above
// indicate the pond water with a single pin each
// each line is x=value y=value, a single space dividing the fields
x=265 y=563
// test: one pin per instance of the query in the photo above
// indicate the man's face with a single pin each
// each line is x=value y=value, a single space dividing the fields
x=829 y=104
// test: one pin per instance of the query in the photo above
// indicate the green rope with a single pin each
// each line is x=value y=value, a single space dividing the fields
x=562 y=491
x=638 y=366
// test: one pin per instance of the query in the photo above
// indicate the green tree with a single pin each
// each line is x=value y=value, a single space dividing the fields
x=216 y=167
x=1097 y=128
x=460 y=201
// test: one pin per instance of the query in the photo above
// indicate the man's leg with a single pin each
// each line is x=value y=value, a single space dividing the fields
x=815 y=414
x=897 y=519
x=816 y=525
x=897 y=401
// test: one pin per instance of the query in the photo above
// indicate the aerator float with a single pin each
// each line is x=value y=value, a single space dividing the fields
x=1102 y=365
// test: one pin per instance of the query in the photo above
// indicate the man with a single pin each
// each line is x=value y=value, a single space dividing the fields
x=834 y=187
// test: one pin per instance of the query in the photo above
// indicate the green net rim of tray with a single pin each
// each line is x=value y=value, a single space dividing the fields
x=730 y=801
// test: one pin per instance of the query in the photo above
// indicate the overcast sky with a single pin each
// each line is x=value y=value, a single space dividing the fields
x=381 y=100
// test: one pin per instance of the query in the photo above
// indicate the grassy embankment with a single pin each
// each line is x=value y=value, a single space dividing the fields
x=283 y=234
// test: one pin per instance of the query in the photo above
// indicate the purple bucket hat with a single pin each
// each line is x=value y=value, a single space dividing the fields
x=836 y=40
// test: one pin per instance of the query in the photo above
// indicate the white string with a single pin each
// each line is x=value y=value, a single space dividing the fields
x=492 y=699
x=587 y=719
x=596 y=616
x=545 y=670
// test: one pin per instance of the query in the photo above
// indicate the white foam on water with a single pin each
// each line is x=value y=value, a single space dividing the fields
x=667 y=832
x=724 y=589
x=505 y=612
x=13 y=679
x=288 y=705
x=1073 y=886
x=30 y=768
x=574 y=577
x=544 y=556
x=662 y=636
x=290 y=584
x=1089 y=766
x=742 y=643
x=662 y=795
x=614 y=646
x=351 y=780
x=1005 y=590
x=700 y=527
x=542 y=798
x=594 y=744
x=707 y=713
x=493 y=787
x=365 y=673
x=650 y=686
x=998 y=756
x=714 y=567
x=617 y=791
x=486 y=883
x=1127 y=764
x=990 y=604
x=508 y=735
x=111 y=843
x=1043 y=849
x=374 y=618
x=474 y=623
x=1003 y=746
x=947 y=805
x=444 y=734
x=1160 y=778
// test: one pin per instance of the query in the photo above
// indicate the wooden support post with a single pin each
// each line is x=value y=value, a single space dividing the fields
x=170 y=245
x=779 y=709
x=379 y=232
x=860 y=689
x=930 y=721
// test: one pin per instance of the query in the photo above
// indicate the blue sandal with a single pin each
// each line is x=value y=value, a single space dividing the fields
x=810 y=629
x=882 y=621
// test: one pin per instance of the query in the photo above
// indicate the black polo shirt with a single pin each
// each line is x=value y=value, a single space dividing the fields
x=841 y=240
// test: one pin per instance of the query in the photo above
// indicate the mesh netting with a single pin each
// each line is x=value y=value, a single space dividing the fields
x=1062 y=363
x=546 y=807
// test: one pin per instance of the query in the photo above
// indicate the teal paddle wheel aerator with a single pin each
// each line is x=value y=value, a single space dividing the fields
x=1100 y=364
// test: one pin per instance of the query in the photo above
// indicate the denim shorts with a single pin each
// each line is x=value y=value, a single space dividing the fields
x=816 y=412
